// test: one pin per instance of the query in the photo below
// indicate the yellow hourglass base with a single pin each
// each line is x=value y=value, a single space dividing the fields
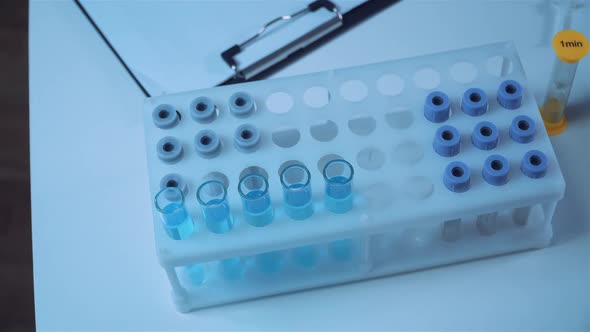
x=556 y=128
x=552 y=109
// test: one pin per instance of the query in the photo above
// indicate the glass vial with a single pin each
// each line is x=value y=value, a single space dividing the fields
x=175 y=218
x=338 y=177
x=212 y=196
x=256 y=204
x=295 y=180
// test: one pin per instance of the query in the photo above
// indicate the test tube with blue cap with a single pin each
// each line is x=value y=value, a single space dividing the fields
x=534 y=165
x=496 y=171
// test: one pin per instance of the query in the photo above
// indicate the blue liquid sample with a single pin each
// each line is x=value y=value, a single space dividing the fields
x=298 y=202
x=196 y=273
x=232 y=268
x=339 y=194
x=217 y=216
x=306 y=256
x=177 y=222
x=341 y=250
x=269 y=262
x=257 y=208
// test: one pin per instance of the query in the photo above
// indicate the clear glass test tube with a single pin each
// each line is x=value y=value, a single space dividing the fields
x=175 y=218
x=256 y=204
x=338 y=175
x=297 y=195
x=212 y=195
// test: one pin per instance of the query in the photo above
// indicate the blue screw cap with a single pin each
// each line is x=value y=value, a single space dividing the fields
x=474 y=102
x=203 y=110
x=207 y=143
x=246 y=138
x=169 y=149
x=510 y=95
x=457 y=177
x=174 y=180
x=241 y=104
x=447 y=141
x=495 y=170
x=522 y=129
x=437 y=107
x=534 y=164
x=165 y=116
x=485 y=136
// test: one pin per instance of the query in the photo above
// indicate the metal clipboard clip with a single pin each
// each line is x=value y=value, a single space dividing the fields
x=282 y=53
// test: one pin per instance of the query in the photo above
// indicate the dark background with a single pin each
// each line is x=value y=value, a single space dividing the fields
x=16 y=268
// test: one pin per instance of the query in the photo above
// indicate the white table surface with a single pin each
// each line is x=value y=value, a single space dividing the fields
x=94 y=261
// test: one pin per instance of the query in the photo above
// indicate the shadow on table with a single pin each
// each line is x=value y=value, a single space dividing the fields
x=572 y=216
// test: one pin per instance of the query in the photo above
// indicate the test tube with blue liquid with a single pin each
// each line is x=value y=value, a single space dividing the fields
x=178 y=224
x=258 y=211
x=175 y=218
x=231 y=268
x=341 y=250
x=212 y=195
x=256 y=204
x=297 y=192
x=306 y=256
x=270 y=262
x=338 y=175
x=299 y=206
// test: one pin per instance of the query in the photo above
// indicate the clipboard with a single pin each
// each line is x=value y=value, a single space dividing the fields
x=339 y=23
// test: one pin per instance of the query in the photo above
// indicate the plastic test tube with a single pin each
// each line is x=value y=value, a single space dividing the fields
x=570 y=47
x=297 y=192
x=176 y=220
x=216 y=213
x=256 y=205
